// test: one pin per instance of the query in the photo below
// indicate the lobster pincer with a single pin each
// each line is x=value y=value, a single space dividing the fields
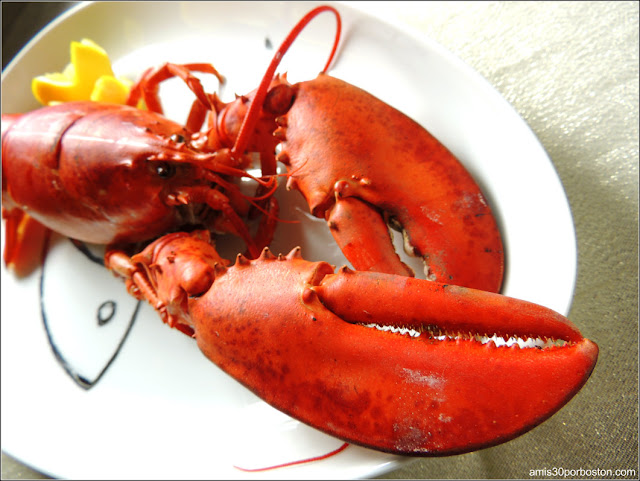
x=364 y=167
x=393 y=363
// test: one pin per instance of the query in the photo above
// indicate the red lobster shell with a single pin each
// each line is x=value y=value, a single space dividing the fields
x=389 y=362
x=362 y=165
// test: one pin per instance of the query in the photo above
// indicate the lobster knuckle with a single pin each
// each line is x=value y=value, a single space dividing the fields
x=199 y=280
x=279 y=99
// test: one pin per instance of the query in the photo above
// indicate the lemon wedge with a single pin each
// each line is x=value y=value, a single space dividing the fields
x=110 y=89
x=89 y=76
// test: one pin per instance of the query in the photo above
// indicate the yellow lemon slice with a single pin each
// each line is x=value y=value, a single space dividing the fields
x=111 y=89
x=89 y=64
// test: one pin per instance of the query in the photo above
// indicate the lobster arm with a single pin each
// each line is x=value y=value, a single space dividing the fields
x=311 y=343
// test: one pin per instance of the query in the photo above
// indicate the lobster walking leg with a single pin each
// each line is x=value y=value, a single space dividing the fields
x=399 y=364
x=147 y=87
x=24 y=242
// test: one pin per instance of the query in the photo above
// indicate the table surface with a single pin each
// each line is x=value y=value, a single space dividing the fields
x=571 y=71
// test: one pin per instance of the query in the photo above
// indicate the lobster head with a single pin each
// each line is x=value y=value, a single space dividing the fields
x=113 y=173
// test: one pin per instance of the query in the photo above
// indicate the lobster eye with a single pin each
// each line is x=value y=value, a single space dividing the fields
x=165 y=170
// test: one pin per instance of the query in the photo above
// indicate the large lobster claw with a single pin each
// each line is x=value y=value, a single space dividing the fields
x=393 y=363
x=363 y=165
x=389 y=170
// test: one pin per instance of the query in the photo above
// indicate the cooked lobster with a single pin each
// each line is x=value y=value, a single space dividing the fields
x=112 y=174
x=409 y=181
x=398 y=364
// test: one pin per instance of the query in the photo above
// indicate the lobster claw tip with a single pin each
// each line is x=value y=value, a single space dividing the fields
x=456 y=369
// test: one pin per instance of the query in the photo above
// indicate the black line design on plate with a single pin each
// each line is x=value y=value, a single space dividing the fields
x=104 y=314
x=82 y=247
x=108 y=308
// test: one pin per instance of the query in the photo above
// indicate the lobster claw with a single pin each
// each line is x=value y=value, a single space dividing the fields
x=362 y=164
x=460 y=369
x=393 y=363
x=390 y=171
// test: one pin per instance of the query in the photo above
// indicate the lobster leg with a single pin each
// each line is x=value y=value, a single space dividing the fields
x=219 y=202
x=147 y=86
x=24 y=242
x=389 y=362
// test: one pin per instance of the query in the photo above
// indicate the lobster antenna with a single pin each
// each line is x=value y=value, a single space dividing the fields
x=252 y=115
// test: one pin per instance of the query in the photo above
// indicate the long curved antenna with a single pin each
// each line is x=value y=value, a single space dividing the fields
x=251 y=118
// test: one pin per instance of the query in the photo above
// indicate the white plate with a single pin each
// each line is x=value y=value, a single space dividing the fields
x=161 y=410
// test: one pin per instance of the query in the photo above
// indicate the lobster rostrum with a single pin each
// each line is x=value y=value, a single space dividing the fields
x=113 y=174
x=363 y=166
x=415 y=374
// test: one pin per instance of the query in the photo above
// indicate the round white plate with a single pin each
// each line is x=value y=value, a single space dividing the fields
x=161 y=410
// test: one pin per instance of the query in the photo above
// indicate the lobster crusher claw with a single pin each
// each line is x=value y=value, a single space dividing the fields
x=433 y=370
